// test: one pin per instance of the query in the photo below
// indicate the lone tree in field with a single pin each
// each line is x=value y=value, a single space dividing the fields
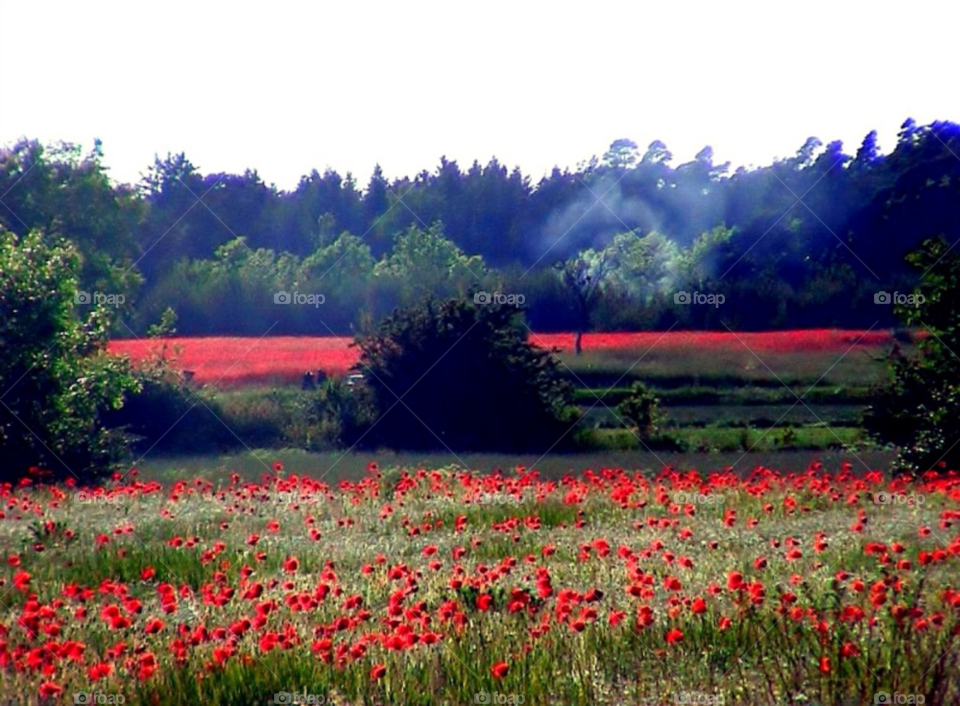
x=630 y=262
x=56 y=380
x=459 y=375
x=919 y=409
x=583 y=276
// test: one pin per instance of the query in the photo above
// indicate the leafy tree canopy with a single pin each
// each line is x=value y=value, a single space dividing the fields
x=56 y=381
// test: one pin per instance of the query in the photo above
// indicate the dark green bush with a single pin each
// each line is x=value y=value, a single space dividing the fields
x=166 y=414
x=460 y=375
x=918 y=410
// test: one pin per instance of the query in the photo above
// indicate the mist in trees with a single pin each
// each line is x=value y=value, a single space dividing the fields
x=803 y=242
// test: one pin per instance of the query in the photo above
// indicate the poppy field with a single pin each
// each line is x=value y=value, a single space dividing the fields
x=236 y=361
x=451 y=586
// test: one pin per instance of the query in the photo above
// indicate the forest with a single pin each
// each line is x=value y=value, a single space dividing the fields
x=624 y=242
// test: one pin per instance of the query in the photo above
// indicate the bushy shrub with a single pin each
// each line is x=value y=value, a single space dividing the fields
x=918 y=410
x=461 y=375
x=56 y=379
x=341 y=412
x=166 y=414
x=642 y=409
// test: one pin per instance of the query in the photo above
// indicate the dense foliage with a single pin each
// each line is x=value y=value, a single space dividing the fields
x=462 y=376
x=56 y=380
x=919 y=410
x=804 y=242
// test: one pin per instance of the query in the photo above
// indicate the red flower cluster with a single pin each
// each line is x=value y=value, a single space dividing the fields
x=422 y=580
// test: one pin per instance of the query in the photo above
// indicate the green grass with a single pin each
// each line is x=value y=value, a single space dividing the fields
x=725 y=368
x=736 y=438
x=334 y=467
x=734 y=396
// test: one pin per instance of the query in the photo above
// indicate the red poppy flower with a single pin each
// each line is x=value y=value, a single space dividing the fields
x=21 y=580
x=674 y=636
x=49 y=689
x=100 y=670
x=499 y=670
x=849 y=650
x=377 y=671
x=616 y=617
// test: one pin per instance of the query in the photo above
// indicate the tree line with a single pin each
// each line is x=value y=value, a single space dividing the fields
x=617 y=243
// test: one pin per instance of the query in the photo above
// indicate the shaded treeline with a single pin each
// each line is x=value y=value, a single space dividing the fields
x=804 y=242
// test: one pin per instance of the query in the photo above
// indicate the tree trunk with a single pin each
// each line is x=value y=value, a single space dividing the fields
x=577 y=346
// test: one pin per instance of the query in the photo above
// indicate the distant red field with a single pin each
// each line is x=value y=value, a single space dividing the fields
x=230 y=361
x=766 y=342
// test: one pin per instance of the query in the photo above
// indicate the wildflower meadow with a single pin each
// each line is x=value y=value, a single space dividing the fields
x=423 y=586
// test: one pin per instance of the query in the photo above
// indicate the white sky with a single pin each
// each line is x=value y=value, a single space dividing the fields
x=285 y=87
